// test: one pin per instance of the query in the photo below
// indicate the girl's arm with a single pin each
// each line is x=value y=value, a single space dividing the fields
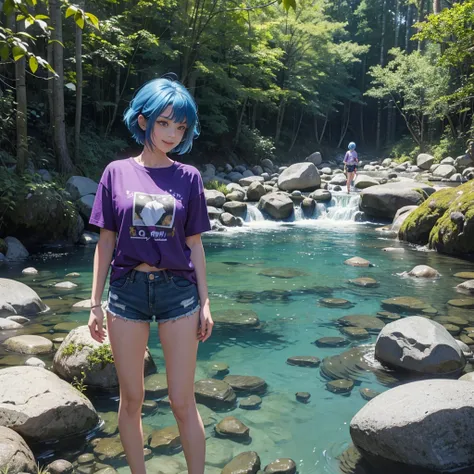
x=198 y=258
x=102 y=258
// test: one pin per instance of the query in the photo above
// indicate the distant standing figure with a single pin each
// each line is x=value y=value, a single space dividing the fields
x=351 y=161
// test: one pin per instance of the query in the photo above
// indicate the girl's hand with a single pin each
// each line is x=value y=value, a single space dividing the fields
x=96 y=324
x=205 y=329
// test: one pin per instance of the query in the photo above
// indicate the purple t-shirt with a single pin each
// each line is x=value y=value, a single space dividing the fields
x=152 y=210
x=351 y=157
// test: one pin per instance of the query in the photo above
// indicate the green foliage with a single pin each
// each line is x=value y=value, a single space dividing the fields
x=78 y=383
x=404 y=150
x=414 y=83
x=72 y=348
x=254 y=147
x=447 y=146
x=214 y=184
x=102 y=356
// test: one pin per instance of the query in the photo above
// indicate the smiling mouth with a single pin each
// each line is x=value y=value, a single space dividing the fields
x=167 y=143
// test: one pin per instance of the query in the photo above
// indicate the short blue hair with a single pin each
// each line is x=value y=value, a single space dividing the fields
x=351 y=146
x=151 y=100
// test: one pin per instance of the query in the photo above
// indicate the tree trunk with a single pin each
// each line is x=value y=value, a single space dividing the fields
x=64 y=162
x=362 y=106
x=344 y=124
x=408 y=28
x=79 y=90
x=239 y=125
x=116 y=101
x=420 y=19
x=436 y=6
x=391 y=115
x=280 y=117
x=21 y=113
x=254 y=115
x=382 y=61
x=295 y=136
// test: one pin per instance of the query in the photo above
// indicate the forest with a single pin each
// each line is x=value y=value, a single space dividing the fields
x=271 y=79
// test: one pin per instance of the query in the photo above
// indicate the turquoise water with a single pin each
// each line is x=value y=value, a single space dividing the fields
x=312 y=434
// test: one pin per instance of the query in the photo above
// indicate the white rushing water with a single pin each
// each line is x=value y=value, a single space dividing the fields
x=342 y=208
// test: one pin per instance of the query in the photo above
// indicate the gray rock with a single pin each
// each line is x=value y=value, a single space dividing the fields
x=302 y=176
x=444 y=171
x=281 y=466
x=315 y=158
x=425 y=424
x=214 y=393
x=60 y=466
x=79 y=349
x=89 y=238
x=40 y=406
x=35 y=362
x=424 y=271
x=386 y=163
x=18 y=298
x=15 y=455
x=338 y=180
x=16 y=250
x=419 y=345
x=424 y=161
x=308 y=206
x=28 y=344
x=447 y=161
x=278 y=205
x=79 y=186
x=235 y=177
x=463 y=161
x=231 y=427
x=214 y=198
x=85 y=204
x=213 y=212
x=247 y=181
x=321 y=195
x=244 y=463
x=7 y=324
x=237 y=209
x=229 y=220
x=255 y=191
x=236 y=195
x=386 y=199
x=363 y=181
x=466 y=287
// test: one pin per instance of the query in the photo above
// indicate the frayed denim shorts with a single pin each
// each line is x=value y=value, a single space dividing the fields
x=147 y=296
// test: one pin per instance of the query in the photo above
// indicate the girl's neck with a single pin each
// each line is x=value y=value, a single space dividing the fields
x=153 y=159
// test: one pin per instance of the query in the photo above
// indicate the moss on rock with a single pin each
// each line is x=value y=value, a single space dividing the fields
x=418 y=225
x=453 y=233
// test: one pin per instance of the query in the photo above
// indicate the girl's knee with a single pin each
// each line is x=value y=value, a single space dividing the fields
x=132 y=401
x=182 y=406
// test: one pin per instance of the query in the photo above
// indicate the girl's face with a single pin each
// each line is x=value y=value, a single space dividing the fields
x=166 y=134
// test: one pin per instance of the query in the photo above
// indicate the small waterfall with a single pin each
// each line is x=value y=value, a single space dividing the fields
x=343 y=207
x=253 y=213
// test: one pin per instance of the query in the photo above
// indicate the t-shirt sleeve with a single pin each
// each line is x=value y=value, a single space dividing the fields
x=197 y=218
x=345 y=157
x=102 y=214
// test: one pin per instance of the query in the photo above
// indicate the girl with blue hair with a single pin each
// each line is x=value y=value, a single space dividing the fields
x=151 y=211
x=351 y=160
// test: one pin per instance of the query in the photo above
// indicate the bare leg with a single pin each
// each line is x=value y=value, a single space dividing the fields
x=179 y=342
x=350 y=177
x=128 y=340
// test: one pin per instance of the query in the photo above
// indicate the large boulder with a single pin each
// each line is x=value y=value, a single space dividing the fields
x=419 y=345
x=80 y=353
x=424 y=161
x=255 y=191
x=78 y=186
x=214 y=198
x=277 y=205
x=425 y=425
x=44 y=215
x=15 y=455
x=40 y=406
x=444 y=171
x=453 y=232
x=301 y=176
x=385 y=200
x=18 y=298
x=315 y=158
x=463 y=161
x=417 y=226
x=15 y=249
x=363 y=181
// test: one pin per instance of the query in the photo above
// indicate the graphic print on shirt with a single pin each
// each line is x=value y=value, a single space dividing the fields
x=153 y=216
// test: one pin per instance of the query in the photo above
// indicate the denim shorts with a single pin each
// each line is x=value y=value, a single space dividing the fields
x=147 y=296
x=351 y=168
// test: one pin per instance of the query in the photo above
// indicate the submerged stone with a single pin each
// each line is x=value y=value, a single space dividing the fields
x=304 y=361
x=331 y=342
x=303 y=396
x=251 y=403
x=343 y=386
x=335 y=303
x=364 y=282
x=246 y=383
x=282 y=273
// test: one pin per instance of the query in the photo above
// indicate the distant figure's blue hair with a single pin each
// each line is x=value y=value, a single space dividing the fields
x=151 y=100
x=351 y=146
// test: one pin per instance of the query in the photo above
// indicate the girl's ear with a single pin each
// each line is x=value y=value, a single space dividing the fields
x=142 y=122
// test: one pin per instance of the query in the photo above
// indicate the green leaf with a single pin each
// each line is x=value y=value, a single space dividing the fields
x=33 y=62
x=4 y=50
x=18 y=52
x=20 y=17
x=55 y=41
x=8 y=7
x=72 y=10
x=26 y=35
x=93 y=19
x=287 y=4
x=42 y=17
x=31 y=3
x=79 y=19
x=29 y=22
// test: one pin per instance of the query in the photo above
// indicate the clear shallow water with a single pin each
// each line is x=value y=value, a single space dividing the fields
x=312 y=434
